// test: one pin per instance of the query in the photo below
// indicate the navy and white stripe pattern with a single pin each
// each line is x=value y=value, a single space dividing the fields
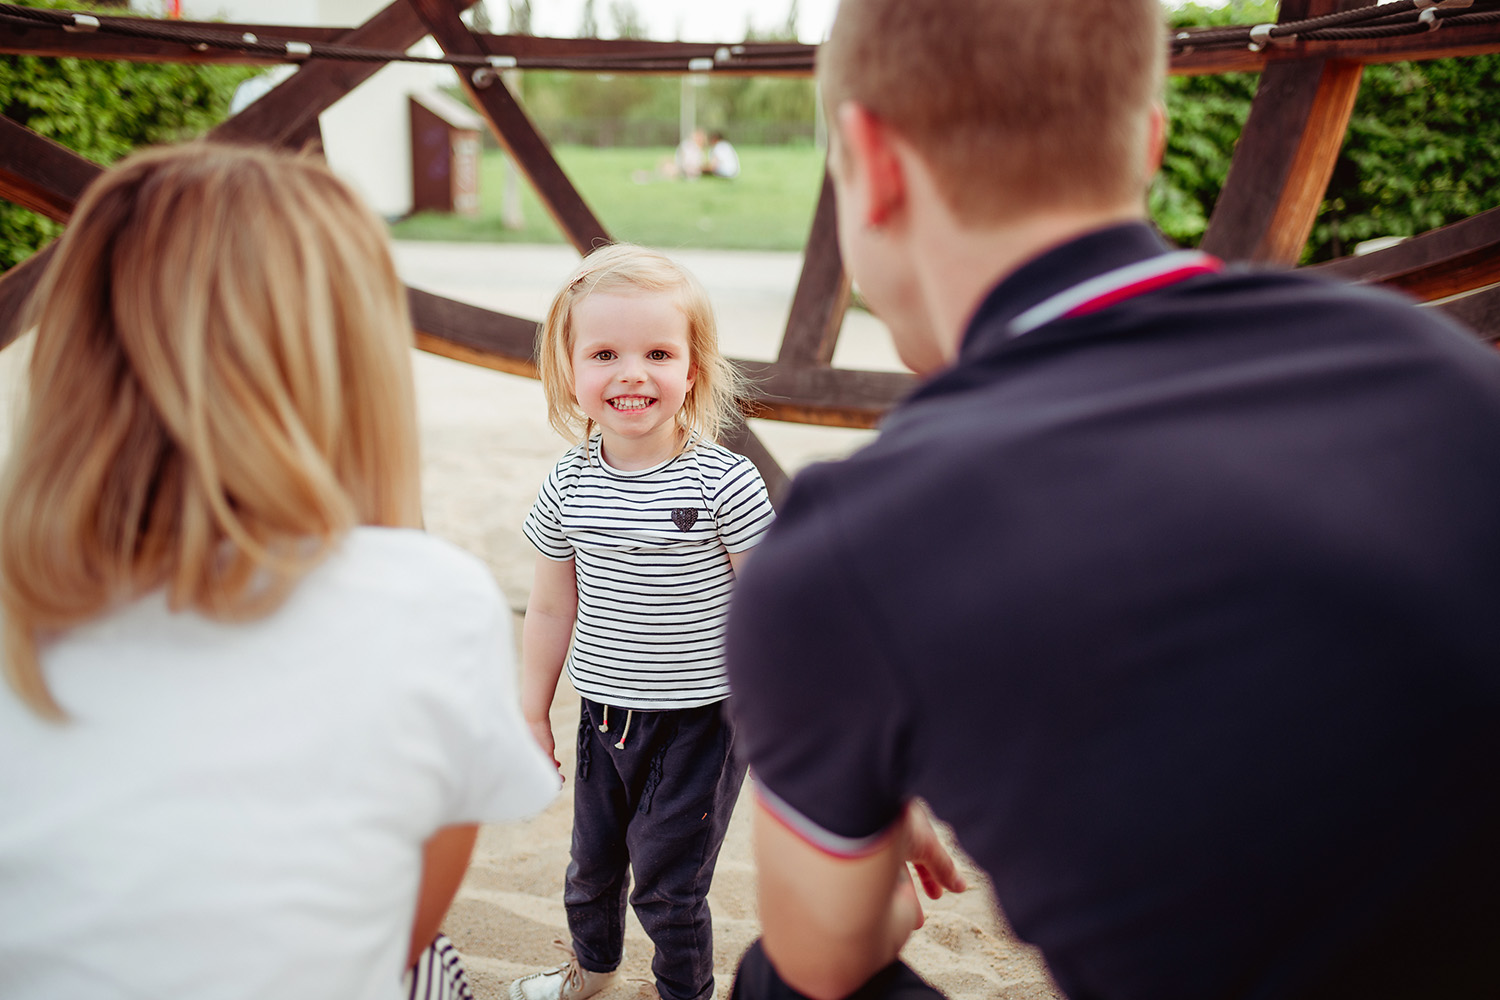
x=439 y=974
x=651 y=550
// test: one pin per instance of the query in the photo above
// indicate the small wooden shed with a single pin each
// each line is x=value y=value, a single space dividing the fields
x=445 y=151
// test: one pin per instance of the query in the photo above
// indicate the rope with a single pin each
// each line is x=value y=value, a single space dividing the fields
x=769 y=56
x=1375 y=21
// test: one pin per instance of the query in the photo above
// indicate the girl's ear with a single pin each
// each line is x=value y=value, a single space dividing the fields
x=692 y=375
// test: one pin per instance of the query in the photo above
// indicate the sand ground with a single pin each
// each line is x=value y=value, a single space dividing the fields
x=487 y=448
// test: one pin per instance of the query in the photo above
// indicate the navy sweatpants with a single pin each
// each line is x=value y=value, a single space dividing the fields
x=658 y=807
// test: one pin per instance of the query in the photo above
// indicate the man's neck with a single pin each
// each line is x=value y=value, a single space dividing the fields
x=957 y=266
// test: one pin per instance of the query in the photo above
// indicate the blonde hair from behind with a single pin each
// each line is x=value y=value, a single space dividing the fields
x=712 y=404
x=1015 y=106
x=220 y=389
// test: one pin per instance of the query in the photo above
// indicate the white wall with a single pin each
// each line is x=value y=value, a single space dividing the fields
x=367 y=134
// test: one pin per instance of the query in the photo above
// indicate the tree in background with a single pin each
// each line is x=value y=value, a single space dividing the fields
x=628 y=109
x=1205 y=115
x=102 y=110
x=1419 y=152
x=626 y=19
x=762 y=108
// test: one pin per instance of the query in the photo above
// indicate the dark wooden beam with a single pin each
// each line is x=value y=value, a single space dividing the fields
x=742 y=440
x=625 y=55
x=1446 y=43
x=748 y=58
x=813 y=395
x=16 y=286
x=836 y=397
x=288 y=115
x=47 y=178
x=1449 y=261
x=39 y=174
x=1285 y=155
x=469 y=333
x=1480 y=311
x=282 y=116
x=47 y=41
x=511 y=126
x=822 y=297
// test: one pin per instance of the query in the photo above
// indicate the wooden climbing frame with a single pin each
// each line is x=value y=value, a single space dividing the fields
x=1277 y=179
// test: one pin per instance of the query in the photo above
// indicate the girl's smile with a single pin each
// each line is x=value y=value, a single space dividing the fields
x=632 y=370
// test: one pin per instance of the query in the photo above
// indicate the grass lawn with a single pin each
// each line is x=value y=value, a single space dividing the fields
x=768 y=207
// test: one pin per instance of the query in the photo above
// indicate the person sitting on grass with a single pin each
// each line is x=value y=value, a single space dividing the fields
x=723 y=161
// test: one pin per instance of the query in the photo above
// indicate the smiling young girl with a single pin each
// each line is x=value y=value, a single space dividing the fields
x=638 y=531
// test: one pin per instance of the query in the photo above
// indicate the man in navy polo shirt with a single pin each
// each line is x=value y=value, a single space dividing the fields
x=1176 y=592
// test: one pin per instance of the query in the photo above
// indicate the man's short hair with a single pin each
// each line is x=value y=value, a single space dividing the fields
x=1013 y=104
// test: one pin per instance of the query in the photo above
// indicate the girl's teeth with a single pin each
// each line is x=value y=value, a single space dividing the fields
x=634 y=403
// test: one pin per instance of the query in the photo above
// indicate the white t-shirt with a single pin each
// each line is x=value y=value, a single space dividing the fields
x=238 y=810
x=651 y=555
x=723 y=159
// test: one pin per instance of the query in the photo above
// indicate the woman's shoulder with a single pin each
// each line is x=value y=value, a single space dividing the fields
x=408 y=563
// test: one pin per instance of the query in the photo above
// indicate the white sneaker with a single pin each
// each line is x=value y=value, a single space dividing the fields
x=569 y=981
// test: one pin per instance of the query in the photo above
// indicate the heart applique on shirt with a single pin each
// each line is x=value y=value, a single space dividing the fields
x=684 y=517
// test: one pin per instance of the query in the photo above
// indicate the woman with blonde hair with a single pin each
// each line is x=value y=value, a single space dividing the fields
x=255 y=712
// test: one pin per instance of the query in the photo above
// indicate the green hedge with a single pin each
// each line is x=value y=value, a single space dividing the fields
x=1419 y=153
x=102 y=110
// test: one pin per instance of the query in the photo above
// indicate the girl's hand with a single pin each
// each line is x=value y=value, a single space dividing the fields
x=541 y=731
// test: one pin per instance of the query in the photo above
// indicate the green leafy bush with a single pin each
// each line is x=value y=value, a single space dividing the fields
x=102 y=110
x=1205 y=115
x=1419 y=152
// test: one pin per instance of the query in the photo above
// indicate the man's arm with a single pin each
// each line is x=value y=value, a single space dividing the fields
x=829 y=922
x=550 y=614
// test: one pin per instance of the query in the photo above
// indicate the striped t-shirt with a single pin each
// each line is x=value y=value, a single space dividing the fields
x=651 y=550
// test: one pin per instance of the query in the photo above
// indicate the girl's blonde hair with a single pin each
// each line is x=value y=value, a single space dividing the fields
x=220 y=389
x=712 y=404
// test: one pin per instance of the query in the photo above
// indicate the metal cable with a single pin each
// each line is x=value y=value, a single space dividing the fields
x=1374 y=21
x=767 y=56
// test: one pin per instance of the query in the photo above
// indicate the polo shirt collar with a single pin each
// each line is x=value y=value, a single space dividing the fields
x=1052 y=272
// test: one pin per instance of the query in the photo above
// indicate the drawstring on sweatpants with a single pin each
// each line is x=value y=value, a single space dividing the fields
x=604 y=726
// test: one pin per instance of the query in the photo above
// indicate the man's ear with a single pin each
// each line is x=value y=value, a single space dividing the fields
x=1156 y=138
x=871 y=164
